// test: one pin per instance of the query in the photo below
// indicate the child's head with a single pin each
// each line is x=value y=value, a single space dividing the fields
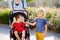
x=19 y=18
x=40 y=13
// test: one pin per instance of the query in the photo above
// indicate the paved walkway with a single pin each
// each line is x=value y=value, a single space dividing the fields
x=4 y=34
x=50 y=36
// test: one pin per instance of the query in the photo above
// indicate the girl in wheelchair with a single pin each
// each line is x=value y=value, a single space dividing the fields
x=18 y=26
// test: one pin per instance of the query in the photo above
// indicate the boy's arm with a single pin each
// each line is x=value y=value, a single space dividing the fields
x=45 y=31
x=45 y=26
x=33 y=24
x=26 y=25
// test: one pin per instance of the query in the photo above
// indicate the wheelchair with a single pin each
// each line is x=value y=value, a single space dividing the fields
x=12 y=36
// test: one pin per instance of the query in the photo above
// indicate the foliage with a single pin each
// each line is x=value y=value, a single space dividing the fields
x=32 y=11
x=4 y=16
x=0 y=0
x=53 y=18
x=48 y=16
x=30 y=0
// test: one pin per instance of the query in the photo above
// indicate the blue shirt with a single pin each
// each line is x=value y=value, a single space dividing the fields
x=19 y=7
x=40 y=23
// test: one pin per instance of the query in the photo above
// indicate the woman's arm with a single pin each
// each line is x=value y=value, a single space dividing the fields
x=25 y=4
x=10 y=5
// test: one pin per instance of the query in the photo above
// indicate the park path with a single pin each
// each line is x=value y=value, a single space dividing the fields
x=4 y=34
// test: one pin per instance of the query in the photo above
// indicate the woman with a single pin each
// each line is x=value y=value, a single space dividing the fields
x=18 y=6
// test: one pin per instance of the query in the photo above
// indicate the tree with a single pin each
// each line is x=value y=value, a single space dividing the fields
x=0 y=0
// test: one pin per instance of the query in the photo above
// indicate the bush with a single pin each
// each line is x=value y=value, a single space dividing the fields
x=52 y=17
x=4 y=16
x=56 y=24
x=48 y=16
x=54 y=20
x=30 y=0
x=58 y=30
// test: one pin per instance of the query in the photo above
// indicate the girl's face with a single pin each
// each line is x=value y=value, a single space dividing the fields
x=21 y=19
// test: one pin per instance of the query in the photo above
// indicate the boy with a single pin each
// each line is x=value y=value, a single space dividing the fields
x=19 y=26
x=41 y=25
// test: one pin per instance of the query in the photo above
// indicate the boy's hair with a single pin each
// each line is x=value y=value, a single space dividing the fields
x=41 y=10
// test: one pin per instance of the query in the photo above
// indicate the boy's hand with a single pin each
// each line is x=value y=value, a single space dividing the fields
x=44 y=34
x=27 y=22
x=33 y=24
x=27 y=25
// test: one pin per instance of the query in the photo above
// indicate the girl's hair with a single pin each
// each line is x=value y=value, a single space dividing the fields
x=17 y=15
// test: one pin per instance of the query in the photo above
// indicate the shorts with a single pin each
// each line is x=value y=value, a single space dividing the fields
x=39 y=36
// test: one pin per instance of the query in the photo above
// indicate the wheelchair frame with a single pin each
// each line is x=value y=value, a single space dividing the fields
x=27 y=35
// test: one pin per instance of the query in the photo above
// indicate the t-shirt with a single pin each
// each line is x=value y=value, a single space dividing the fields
x=18 y=7
x=40 y=23
x=19 y=27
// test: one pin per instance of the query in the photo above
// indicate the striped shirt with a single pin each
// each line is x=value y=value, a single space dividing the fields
x=18 y=7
